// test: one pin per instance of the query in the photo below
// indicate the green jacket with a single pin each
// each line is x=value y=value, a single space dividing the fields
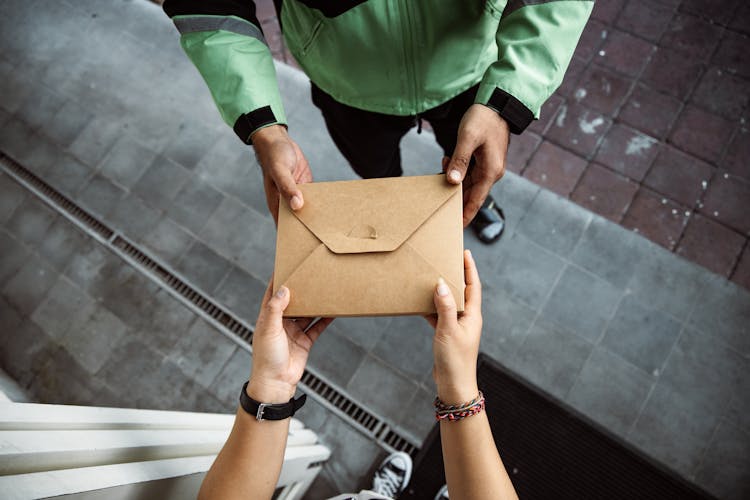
x=399 y=57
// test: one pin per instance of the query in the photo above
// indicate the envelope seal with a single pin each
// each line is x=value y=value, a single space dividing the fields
x=363 y=232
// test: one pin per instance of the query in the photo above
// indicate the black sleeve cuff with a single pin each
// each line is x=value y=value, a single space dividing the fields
x=240 y=8
x=250 y=122
x=511 y=110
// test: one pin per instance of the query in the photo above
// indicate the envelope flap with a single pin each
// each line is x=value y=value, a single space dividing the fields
x=374 y=215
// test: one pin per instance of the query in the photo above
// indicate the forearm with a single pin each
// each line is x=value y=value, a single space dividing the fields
x=536 y=41
x=250 y=462
x=473 y=468
x=225 y=42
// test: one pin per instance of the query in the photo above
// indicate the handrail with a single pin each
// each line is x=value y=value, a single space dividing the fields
x=49 y=450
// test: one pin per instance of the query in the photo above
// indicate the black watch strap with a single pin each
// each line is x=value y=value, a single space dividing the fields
x=268 y=411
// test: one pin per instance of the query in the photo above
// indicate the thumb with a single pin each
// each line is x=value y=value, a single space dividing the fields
x=282 y=177
x=446 y=306
x=461 y=157
x=274 y=309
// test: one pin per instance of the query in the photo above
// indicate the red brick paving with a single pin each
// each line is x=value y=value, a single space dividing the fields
x=727 y=201
x=662 y=111
x=579 y=128
x=628 y=151
x=657 y=218
x=693 y=35
x=738 y=152
x=594 y=35
x=732 y=54
x=520 y=150
x=710 y=244
x=672 y=72
x=602 y=88
x=702 y=133
x=741 y=274
x=605 y=192
x=265 y=10
x=607 y=10
x=722 y=93
x=741 y=19
x=679 y=176
x=645 y=18
x=575 y=68
x=624 y=53
x=548 y=112
x=555 y=168
x=723 y=11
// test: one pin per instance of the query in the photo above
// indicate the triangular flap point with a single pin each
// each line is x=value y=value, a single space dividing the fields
x=372 y=215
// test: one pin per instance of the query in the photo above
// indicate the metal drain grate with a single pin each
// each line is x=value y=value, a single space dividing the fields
x=116 y=242
x=357 y=415
x=314 y=385
x=55 y=199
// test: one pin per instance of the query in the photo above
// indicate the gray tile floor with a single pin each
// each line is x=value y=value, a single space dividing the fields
x=98 y=100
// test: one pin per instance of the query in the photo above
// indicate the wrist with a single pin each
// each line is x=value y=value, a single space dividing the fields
x=267 y=135
x=454 y=394
x=270 y=391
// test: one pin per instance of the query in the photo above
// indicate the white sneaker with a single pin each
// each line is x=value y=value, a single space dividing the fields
x=442 y=494
x=393 y=475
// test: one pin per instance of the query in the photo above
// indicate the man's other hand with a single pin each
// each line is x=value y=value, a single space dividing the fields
x=484 y=135
x=284 y=166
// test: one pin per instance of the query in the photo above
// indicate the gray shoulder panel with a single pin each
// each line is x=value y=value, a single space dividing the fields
x=192 y=24
x=514 y=5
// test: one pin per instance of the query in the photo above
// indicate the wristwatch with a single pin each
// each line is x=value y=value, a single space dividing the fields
x=269 y=411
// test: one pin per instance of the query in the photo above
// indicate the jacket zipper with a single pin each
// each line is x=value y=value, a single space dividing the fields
x=408 y=29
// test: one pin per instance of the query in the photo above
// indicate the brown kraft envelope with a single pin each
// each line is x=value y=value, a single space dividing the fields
x=372 y=247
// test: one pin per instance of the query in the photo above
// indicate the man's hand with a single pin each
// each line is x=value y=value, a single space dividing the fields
x=484 y=135
x=284 y=166
x=280 y=349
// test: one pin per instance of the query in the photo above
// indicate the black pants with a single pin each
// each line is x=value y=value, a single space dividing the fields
x=370 y=141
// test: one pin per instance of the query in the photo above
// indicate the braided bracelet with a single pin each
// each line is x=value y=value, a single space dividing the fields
x=458 y=412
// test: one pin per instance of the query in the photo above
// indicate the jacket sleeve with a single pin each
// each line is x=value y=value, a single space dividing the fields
x=224 y=40
x=536 y=40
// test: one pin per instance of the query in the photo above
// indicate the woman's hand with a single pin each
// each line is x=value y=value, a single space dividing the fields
x=250 y=462
x=280 y=349
x=456 y=341
x=473 y=468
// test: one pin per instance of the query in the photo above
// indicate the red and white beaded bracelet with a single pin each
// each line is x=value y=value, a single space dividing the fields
x=458 y=412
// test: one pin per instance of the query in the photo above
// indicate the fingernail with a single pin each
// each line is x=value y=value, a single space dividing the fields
x=295 y=202
x=455 y=175
x=468 y=252
x=281 y=292
x=442 y=289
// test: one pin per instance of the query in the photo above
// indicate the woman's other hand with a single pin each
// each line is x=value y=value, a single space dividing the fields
x=280 y=348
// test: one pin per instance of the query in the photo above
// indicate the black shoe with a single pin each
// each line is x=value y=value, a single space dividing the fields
x=489 y=222
x=393 y=475
x=442 y=494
